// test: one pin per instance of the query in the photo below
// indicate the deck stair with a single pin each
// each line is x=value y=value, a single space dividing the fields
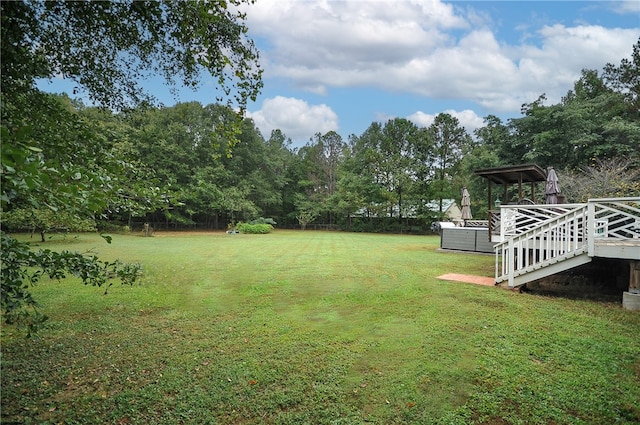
x=540 y=241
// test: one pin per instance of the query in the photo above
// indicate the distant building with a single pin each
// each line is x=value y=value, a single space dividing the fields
x=449 y=208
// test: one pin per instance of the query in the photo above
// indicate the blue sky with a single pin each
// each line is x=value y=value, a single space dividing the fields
x=341 y=65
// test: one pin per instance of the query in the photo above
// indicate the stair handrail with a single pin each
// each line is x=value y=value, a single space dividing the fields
x=529 y=216
x=550 y=232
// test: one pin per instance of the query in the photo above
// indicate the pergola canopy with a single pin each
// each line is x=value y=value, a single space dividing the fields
x=527 y=173
x=513 y=174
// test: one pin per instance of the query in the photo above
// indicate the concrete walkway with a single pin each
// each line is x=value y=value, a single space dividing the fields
x=466 y=278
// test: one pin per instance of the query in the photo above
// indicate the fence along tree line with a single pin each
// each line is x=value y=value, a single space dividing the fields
x=388 y=170
x=175 y=163
x=56 y=158
x=180 y=174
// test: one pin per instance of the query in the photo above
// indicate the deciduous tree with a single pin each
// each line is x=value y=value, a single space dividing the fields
x=450 y=140
x=49 y=153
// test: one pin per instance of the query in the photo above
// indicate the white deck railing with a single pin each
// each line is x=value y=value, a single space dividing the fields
x=511 y=220
x=476 y=223
x=614 y=219
x=517 y=219
x=550 y=241
x=536 y=236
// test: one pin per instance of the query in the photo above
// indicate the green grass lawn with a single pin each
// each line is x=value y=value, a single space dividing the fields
x=314 y=328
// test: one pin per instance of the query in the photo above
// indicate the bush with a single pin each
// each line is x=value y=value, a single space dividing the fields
x=112 y=227
x=263 y=220
x=258 y=228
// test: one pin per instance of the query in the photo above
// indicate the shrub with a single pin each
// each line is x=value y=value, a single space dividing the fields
x=262 y=220
x=112 y=227
x=258 y=228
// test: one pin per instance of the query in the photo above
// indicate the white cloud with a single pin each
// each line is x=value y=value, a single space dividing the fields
x=421 y=119
x=428 y=48
x=344 y=43
x=294 y=117
x=467 y=118
x=626 y=6
x=565 y=51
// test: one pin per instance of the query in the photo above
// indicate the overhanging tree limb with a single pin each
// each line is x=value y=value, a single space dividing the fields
x=107 y=48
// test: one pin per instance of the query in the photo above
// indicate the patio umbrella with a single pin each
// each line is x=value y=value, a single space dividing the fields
x=466 y=205
x=551 y=188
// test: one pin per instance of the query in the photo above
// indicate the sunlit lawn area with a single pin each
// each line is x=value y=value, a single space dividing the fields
x=314 y=328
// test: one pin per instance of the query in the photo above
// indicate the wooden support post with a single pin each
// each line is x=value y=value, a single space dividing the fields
x=489 y=203
x=520 y=189
x=631 y=298
x=533 y=192
x=634 y=277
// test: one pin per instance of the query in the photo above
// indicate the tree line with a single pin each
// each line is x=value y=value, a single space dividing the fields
x=61 y=168
x=174 y=165
x=71 y=167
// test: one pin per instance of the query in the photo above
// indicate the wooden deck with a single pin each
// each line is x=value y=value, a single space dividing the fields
x=537 y=241
x=628 y=249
